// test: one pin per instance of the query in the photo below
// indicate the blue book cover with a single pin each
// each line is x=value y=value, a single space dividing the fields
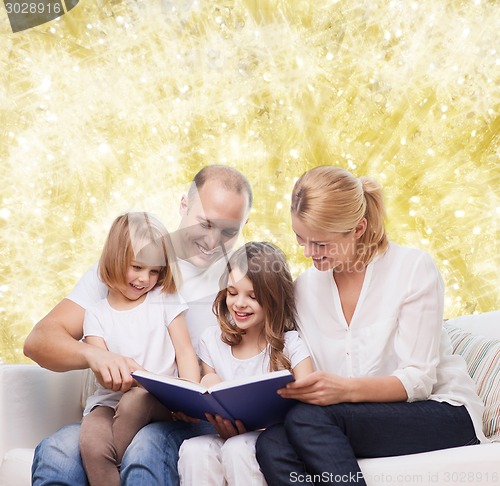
x=252 y=400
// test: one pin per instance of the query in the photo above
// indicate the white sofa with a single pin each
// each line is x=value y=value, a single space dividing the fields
x=35 y=402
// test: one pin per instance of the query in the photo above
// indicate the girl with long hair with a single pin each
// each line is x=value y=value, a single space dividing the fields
x=256 y=312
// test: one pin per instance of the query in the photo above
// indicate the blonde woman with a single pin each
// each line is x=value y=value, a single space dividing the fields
x=370 y=312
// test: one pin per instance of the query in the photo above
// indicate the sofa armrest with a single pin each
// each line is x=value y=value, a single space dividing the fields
x=486 y=324
x=35 y=402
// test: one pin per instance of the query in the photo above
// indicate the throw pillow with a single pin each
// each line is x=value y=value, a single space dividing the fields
x=483 y=363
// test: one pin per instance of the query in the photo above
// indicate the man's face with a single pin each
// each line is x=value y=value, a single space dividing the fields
x=210 y=223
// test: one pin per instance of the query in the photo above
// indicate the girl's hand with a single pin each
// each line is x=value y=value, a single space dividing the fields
x=210 y=379
x=319 y=388
x=225 y=427
x=182 y=417
x=111 y=370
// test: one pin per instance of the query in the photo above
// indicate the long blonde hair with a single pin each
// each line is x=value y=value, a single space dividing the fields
x=138 y=236
x=265 y=266
x=331 y=199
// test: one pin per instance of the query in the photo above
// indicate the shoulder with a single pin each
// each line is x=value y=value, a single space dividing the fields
x=211 y=334
x=97 y=307
x=311 y=277
x=89 y=289
x=291 y=336
x=293 y=340
x=399 y=252
x=211 y=345
x=295 y=348
x=157 y=295
x=404 y=257
x=406 y=268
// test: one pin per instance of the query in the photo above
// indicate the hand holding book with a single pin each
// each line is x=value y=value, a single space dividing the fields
x=253 y=401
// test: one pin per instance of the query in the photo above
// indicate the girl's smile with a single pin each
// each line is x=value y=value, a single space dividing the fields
x=246 y=312
x=241 y=316
x=141 y=279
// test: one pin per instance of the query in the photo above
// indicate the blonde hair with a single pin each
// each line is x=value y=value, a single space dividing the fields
x=265 y=266
x=138 y=236
x=331 y=199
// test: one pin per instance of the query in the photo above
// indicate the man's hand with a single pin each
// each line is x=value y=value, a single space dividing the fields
x=111 y=370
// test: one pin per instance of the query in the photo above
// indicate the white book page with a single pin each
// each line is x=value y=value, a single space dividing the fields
x=248 y=379
x=190 y=385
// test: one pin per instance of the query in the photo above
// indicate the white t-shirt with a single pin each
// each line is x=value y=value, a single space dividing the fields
x=140 y=333
x=219 y=356
x=199 y=288
x=397 y=329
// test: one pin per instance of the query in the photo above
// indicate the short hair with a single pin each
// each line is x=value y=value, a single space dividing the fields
x=266 y=267
x=331 y=199
x=138 y=236
x=228 y=178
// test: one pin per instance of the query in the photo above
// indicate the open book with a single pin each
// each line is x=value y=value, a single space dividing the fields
x=252 y=400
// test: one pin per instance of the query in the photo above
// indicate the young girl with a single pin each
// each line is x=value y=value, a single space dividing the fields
x=142 y=318
x=256 y=314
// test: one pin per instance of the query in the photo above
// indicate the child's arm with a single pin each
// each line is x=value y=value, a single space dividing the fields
x=96 y=341
x=224 y=427
x=185 y=357
x=210 y=377
x=304 y=368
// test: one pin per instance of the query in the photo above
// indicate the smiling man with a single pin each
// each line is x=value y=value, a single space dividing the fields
x=212 y=215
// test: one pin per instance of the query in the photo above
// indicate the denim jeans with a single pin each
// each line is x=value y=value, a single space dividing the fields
x=151 y=458
x=320 y=444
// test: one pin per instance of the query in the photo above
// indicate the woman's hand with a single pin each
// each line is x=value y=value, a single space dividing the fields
x=225 y=427
x=319 y=388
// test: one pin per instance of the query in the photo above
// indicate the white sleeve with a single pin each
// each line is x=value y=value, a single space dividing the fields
x=418 y=334
x=173 y=305
x=295 y=348
x=89 y=289
x=205 y=345
x=92 y=324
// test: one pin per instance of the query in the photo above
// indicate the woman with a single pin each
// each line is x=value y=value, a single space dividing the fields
x=371 y=313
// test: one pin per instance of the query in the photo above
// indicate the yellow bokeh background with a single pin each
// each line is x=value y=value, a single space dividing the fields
x=117 y=104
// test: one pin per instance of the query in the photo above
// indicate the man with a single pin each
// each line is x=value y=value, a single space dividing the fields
x=212 y=215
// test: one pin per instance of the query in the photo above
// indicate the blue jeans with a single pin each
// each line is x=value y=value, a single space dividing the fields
x=151 y=458
x=321 y=444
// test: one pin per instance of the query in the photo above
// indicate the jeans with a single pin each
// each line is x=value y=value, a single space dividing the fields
x=151 y=458
x=320 y=444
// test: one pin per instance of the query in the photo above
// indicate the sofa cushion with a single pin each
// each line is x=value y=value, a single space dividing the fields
x=483 y=363
x=459 y=466
x=16 y=468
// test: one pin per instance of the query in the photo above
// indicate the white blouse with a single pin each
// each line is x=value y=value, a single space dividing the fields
x=396 y=329
x=219 y=355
